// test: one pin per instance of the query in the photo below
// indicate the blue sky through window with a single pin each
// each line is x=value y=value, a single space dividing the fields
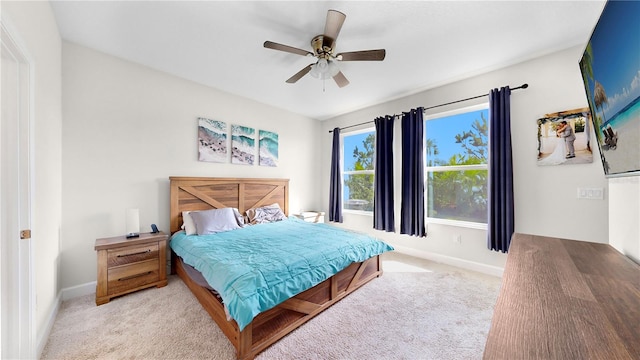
x=350 y=143
x=443 y=132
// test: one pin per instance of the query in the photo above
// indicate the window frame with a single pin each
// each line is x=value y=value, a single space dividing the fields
x=343 y=172
x=440 y=168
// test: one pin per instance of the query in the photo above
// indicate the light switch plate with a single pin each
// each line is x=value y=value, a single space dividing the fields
x=591 y=193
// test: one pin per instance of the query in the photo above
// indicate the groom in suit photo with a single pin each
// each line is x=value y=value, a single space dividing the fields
x=569 y=137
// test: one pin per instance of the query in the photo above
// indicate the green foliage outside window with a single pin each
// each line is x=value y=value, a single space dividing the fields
x=455 y=194
x=361 y=185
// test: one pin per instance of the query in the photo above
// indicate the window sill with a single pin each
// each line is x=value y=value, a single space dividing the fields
x=357 y=212
x=464 y=224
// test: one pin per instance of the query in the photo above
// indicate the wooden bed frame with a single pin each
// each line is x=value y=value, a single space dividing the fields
x=195 y=193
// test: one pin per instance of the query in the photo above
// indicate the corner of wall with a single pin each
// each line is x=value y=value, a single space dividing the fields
x=624 y=228
x=43 y=332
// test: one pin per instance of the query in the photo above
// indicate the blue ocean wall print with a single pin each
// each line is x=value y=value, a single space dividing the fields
x=243 y=145
x=268 y=148
x=610 y=67
x=212 y=140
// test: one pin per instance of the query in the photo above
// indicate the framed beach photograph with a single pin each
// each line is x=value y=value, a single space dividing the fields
x=564 y=138
x=243 y=145
x=610 y=68
x=268 y=148
x=212 y=140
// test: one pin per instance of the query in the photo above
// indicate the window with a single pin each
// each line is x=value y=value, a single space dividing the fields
x=358 y=150
x=456 y=173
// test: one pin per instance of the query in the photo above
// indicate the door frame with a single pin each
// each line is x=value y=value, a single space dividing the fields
x=20 y=312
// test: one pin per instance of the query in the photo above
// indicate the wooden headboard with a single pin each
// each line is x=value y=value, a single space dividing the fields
x=203 y=193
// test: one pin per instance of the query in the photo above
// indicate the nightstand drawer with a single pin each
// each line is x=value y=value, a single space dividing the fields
x=131 y=254
x=127 y=277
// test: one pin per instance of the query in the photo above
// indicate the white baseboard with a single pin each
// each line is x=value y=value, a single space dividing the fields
x=78 y=290
x=65 y=294
x=43 y=333
x=449 y=260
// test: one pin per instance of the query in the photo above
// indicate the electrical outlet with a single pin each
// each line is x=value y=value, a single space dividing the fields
x=591 y=193
x=457 y=238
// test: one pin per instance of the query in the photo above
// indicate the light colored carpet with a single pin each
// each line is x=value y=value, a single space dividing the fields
x=416 y=310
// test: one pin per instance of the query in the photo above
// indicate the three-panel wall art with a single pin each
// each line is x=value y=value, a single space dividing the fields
x=214 y=144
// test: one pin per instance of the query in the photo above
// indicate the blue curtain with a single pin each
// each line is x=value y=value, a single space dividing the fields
x=500 y=225
x=412 y=214
x=383 y=217
x=335 y=187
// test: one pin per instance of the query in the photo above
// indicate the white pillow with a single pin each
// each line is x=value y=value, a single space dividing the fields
x=214 y=221
x=188 y=225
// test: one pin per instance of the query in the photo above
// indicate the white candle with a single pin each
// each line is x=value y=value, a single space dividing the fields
x=133 y=222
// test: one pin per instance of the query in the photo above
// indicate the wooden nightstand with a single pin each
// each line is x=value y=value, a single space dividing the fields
x=311 y=216
x=127 y=265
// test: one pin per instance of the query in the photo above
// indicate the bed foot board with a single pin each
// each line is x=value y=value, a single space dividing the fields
x=274 y=324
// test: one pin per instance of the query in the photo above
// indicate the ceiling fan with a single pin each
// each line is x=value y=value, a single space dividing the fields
x=323 y=50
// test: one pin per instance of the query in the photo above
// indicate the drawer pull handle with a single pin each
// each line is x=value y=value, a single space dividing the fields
x=134 y=276
x=138 y=253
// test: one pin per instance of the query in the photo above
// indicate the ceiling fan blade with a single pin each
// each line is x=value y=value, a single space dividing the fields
x=290 y=49
x=299 y=74
x=332 y=27
x=340 y=79
x=365 y=55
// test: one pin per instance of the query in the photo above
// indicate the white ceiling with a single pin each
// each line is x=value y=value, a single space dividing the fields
x=428 y=43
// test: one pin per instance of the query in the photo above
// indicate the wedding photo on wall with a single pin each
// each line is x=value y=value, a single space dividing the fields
x=564 y=138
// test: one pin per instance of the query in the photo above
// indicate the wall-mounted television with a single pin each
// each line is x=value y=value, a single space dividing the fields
x=610 y=68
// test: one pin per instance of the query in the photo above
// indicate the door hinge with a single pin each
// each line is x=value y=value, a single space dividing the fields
x=25 y=234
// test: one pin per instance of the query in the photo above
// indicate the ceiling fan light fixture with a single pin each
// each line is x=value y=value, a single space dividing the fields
x=326 y=66
x=333 y=68
x=324 y=69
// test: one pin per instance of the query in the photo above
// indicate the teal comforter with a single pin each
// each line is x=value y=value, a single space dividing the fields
x=257 y=267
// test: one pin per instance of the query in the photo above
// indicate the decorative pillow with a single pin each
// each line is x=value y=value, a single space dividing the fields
x=214 y=221
x=187 y=223
x=239 y=217
x=265 y=214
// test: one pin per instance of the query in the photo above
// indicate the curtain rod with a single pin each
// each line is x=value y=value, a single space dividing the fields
x=523 y=86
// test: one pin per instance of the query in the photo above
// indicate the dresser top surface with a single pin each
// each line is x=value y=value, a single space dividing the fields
x=566 y=299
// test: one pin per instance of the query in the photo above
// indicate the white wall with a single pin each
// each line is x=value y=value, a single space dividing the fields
x=624 y=216
x=36 y=26
x=545 y=196
x=127 y=128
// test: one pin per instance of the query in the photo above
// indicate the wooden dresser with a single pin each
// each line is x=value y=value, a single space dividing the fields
x=126 y=265
x=566 y=299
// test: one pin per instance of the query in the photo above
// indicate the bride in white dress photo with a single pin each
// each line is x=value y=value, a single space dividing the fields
x=552 y=147
x=558 y=156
